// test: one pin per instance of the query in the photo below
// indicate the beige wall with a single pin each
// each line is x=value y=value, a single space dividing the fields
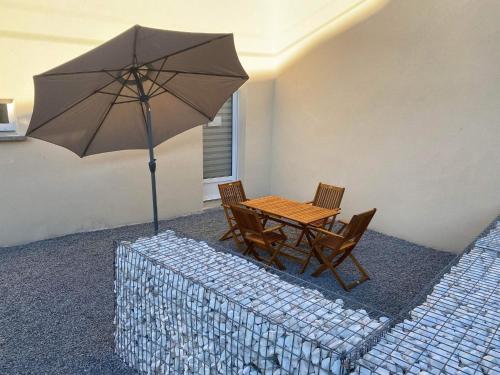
x=403 y=110
x=47 y=191
x=414 y=90
x=255 y=125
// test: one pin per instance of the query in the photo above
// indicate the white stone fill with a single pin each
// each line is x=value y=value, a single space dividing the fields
x=456 y=331
x=184 y=308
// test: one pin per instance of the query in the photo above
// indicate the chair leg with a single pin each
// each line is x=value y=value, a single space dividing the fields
x=227 y=235
x=330 y=225
x=328 y=265
x=362 y=271
x=250 y=250
x=338 y=278
x=327 y=261
x=311 y=252
x=232 y=231
x=322 y=268
x=306 y=262
x=299 y=240
x=264 y=221
x=274 y=258
x=235 y=236
x=301 y=237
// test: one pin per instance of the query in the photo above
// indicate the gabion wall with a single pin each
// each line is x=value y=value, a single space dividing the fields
x=456 y=330
x=184 y=308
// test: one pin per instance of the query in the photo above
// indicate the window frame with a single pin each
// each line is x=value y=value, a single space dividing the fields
x=210 y=190
x=11 y=126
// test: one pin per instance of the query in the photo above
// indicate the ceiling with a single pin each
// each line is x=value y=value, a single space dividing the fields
x=267 y=33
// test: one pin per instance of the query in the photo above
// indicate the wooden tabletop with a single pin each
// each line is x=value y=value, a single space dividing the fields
x=302 y=213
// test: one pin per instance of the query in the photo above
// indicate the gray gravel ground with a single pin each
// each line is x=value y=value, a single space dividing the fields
x=56 y=305
x=398 y=269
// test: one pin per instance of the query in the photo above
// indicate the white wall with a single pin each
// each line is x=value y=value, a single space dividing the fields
x=403 y=110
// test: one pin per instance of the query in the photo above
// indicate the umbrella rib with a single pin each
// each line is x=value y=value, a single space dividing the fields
x=157 y=74
x=127 y=101
x=200 y=73
x=113 y=94
x=104 y=118
x=134 y=56
x=83 y=72
x=74 y=104
x=125 y=83
x=185 y=101
x=160 y=87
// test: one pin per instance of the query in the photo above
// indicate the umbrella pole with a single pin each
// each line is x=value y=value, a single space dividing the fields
x=152 y=161
x=152 y=165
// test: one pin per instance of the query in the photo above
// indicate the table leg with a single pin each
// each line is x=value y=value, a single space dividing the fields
x=312 y=251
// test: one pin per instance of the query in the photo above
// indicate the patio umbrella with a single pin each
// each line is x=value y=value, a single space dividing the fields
x=104 y=100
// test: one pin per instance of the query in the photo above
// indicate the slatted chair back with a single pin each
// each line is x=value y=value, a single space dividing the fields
x=328 y=196
x=357 y=226
x=232 y=193
x=248 y=221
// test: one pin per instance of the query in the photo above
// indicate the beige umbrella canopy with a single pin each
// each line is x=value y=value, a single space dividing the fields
x=103 y=100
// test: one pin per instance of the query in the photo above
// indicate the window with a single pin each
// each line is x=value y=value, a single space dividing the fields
x=7 y=116
x=219 y=148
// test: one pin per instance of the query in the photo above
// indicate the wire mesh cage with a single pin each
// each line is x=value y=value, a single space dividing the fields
x=184 y=308
x=456 y=329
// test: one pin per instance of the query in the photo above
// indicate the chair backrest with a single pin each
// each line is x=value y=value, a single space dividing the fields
x=357 y=226
x=247 y=220
x=328 y=196
x=232 y=193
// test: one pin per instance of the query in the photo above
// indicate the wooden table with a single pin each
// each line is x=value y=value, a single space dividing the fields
x=295 y=214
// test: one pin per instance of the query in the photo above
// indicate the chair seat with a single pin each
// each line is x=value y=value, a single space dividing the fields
x=271 y=237
x=334 y=241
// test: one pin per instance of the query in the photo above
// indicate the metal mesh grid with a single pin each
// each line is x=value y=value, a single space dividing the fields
x=490 y=241
x=456 y=329
x=183 y=308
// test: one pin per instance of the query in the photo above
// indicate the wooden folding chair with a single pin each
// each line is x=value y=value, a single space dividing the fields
x=327 y=196
x=255 y=236
x=341 y=245
x=231 y=193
